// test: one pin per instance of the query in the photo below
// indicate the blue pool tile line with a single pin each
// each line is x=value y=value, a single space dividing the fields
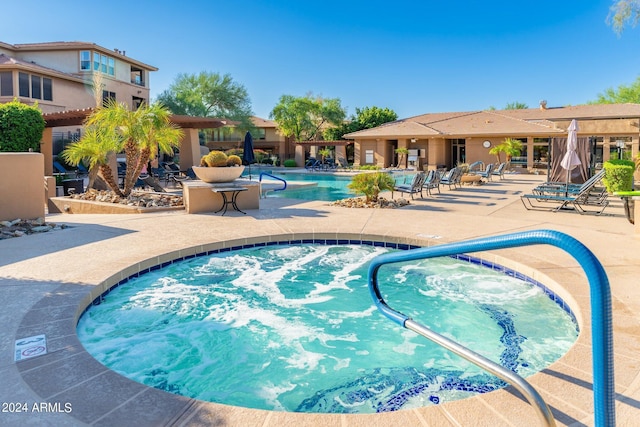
x=400 y=246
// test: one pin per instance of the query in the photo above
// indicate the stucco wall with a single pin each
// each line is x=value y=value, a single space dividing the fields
x=21 y=186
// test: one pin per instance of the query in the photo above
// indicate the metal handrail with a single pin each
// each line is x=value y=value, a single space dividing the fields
x=284 y=187
x=601 y=316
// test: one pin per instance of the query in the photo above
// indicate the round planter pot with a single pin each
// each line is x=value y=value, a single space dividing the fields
x=470 y=179
x=227 y=174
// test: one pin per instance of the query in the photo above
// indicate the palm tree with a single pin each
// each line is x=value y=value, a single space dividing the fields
x=510 y=147
x=141 y=134
x=401 y=152
x=149 y=132
x=94 y=148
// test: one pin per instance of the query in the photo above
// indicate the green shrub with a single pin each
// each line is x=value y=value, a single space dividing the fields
x=368 y=167
x=21 y=127
x=618 y=175
x=290 y=163
x=371 y=184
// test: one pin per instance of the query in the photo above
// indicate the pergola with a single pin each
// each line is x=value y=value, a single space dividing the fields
x=189 y=146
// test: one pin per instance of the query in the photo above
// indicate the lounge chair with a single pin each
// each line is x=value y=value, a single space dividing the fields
x=312 y=163
x=61 y=170
x=173 y=173
x=414 y=187
x=342 y=162
x=432 y=181
x=499 y=171
x=476 y=167
x=570 y=188
x=561 y=198
x=451 y=178
x=486 y=174
x=152 y=182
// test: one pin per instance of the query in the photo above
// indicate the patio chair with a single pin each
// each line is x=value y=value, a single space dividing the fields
x=61 y=170
x=173 y=173
x=452 y=178
x=568 y=187
x=552 y=200
x=486 y=174
x=344 y=164
x=476 y=167
x=312 y=163
x=499 y=171
x=432 y=181
x=414 y=187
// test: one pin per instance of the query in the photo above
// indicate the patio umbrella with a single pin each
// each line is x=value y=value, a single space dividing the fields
x=571 y=160
x=247 y=154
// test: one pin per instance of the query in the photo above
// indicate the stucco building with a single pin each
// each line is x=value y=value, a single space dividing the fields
x=59 y=75
x=446 y=139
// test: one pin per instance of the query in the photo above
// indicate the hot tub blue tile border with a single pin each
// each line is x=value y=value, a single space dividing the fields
x=375 y=243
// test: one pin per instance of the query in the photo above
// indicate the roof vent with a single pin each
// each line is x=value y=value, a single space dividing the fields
x=543 y=104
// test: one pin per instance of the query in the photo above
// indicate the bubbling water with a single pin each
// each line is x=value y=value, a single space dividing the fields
x=293 y=328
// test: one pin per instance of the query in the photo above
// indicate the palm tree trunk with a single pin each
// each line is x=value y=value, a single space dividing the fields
x=131 y=153
x=107 y=175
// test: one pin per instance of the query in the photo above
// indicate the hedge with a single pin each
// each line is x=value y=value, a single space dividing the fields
x=21 y=127
x=618 y=175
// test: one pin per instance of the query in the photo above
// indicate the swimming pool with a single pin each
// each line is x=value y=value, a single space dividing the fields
x=322 y=186
x=210 y=327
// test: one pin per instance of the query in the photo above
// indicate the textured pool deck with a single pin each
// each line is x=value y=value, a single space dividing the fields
x=47 y=280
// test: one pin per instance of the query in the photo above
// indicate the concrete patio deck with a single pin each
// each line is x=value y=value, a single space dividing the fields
x=47 y=280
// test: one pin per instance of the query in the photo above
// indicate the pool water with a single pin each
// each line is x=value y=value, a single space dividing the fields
x=293 y=328
x=328 y=187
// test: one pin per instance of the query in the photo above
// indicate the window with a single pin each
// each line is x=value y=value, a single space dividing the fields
x=96 y=61
x=137 y=76
x=85 y=60
x=106 y=96
x=47 y=89
x=6 y=83
x=36 y=87
x=103 y=63
x=23 y=85
x=136 y=102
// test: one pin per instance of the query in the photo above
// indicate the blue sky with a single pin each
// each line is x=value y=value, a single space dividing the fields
x=414 y=57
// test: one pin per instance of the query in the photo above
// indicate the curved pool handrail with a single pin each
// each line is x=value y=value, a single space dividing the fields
x=601 y=316
x=284 y=187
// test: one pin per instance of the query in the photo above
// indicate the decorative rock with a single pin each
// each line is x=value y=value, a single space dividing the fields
x=19 y=227
x=136 y=198
x=382 y=203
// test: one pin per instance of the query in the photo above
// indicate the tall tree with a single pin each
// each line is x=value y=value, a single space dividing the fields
x=366 y=118
x=624 y=12
x=209 y=94
x=304 y=118
x=516 y=106
x=621 y=95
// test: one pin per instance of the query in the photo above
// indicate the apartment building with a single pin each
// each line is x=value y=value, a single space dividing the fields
x=59 y=76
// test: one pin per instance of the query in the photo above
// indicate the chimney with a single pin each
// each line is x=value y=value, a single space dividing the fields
x=543 y=104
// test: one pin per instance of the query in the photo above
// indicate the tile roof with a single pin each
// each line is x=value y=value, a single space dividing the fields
x=263 y=123
x=11 y=62
x=77 y=117
x=530 y=121
x=583 y=112
x=76 y=45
